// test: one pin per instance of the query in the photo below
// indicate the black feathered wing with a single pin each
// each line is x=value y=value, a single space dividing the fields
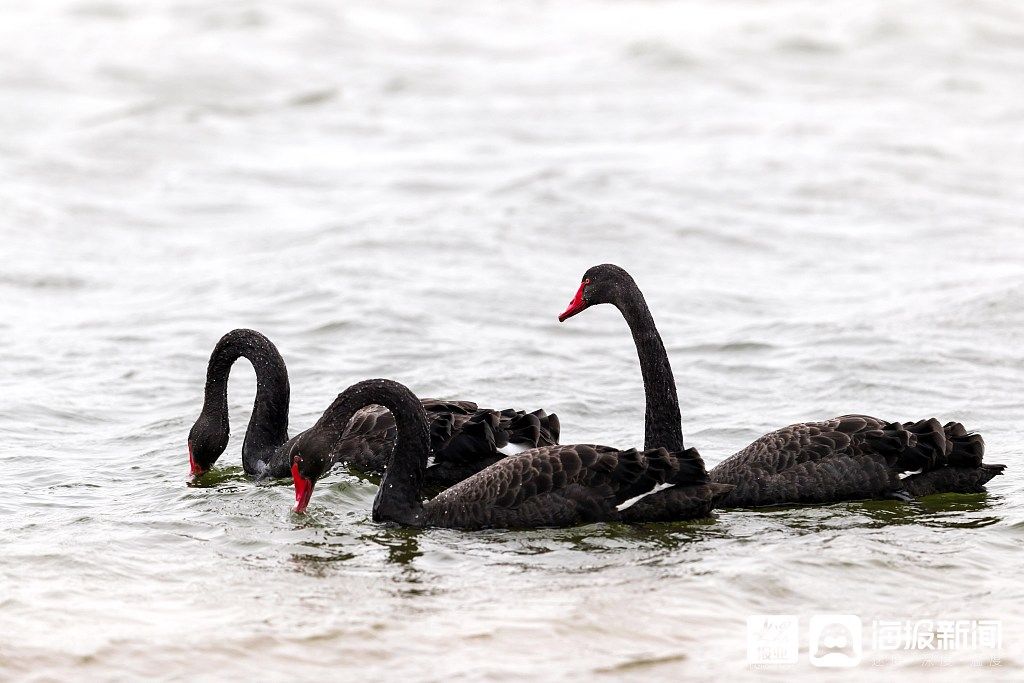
x=575 y=484
x=849 y=458
x=463 y=437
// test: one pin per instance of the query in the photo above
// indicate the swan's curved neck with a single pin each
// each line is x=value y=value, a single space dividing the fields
x=268 y=425
x=663 y=424
x=398 y=499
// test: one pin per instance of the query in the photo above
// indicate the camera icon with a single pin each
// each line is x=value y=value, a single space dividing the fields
x=835 y=640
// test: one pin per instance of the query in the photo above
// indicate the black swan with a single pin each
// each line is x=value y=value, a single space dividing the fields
x=853 y=457
x=465 y=438
x=547 y=486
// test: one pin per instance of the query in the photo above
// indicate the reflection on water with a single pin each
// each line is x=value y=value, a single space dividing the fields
x=322 y=553
x=218 y=477
x=402 y=546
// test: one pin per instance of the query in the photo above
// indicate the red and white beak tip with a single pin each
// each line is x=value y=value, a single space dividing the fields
x=577 y=304
x=194 y=468
x=303 y=488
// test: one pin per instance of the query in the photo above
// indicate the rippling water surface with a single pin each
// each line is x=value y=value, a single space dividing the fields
x=822 y=201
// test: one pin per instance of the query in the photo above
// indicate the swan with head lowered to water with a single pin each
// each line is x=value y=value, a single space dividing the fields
x=547 y=486
x=465 y=438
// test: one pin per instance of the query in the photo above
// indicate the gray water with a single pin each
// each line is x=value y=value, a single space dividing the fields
x=821 y=200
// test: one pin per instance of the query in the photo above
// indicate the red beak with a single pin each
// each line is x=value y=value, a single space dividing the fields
x=197 y=471
x=303 y=487
x=577 y=304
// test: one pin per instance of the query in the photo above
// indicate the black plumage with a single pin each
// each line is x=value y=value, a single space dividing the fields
x=855 y=457
x=846 y=458
x=463 y=438
x=546 y=486
x=466 y=438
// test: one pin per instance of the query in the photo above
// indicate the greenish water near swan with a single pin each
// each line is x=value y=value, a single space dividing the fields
x=821 y=201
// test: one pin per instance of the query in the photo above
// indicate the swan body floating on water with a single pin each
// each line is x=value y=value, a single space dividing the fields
x=852 y=457
x=464 y=437
x=547 y=486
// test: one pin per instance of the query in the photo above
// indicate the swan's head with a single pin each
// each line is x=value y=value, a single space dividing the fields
x=603 y=284
x=206 y=442
x=309 y=458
